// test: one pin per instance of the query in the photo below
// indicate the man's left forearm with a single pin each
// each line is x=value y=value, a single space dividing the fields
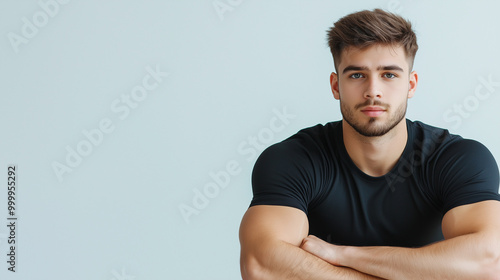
x=471 y=256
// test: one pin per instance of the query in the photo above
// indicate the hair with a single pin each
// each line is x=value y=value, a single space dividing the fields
x=366 y=28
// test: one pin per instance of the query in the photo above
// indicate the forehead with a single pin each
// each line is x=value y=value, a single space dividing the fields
x=374 y=56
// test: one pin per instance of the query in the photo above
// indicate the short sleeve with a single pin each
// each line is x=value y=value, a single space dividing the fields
x=284 y=175
x=466 y=173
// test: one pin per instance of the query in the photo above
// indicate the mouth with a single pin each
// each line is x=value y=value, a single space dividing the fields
x=373 y=111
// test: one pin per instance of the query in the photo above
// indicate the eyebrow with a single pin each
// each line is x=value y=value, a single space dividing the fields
x=364 y=68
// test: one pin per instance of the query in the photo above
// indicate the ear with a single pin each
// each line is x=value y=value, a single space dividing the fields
x=334 y=83
x=412 y=85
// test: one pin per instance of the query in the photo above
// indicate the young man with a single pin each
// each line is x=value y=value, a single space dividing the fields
x=374 y=196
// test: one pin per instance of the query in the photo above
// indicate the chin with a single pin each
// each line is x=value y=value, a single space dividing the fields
x=374 y=127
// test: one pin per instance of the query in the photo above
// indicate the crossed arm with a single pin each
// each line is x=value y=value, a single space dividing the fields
x=270 y=238
x=273 y=248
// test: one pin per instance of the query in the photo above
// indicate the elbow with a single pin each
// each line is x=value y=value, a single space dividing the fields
x=251 y=269
x=494 y=270
x=491 y=268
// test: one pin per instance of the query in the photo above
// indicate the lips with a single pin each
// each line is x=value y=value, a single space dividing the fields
x=373 y=111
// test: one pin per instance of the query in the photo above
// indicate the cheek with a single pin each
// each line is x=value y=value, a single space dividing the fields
x=350 y=90
x=399 y=99
x=397 y=92
x=349 y=86
x=404 y=86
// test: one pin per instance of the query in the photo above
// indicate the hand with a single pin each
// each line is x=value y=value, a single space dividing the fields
x=322 y=249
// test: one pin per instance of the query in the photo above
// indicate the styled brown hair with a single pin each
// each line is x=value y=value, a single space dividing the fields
x=365 y=28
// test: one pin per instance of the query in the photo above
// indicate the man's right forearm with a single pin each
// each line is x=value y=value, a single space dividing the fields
x=282 y=260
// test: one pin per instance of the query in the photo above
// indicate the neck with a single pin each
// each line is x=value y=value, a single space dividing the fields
x=375 y=156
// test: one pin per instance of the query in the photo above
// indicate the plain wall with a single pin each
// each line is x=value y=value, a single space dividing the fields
x=135 y=125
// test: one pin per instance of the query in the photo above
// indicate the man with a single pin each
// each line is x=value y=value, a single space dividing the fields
x=374 y=196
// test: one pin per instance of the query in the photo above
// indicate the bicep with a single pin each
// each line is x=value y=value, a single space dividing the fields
x=264 y=223
x=477 y=217
x=264 y=230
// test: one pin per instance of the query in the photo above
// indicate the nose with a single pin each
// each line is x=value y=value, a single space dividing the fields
x=373 y=89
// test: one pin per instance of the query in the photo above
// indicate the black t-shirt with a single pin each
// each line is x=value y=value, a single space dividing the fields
x=437 y=171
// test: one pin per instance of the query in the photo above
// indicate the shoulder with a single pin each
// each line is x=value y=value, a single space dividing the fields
x=466 y=157
x=439 y=146
x=308 y=143
x=459 y=170
x=433 y=143
x=319 y=134
x=304 y=157
x=429 y=135
x=290 y=173
x=466 y=172
x=447 y=144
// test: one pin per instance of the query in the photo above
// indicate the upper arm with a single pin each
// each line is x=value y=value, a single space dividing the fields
x=479 y=217
x=265 y=226
x=468 y=180
x=267 y=222
x=464 y=173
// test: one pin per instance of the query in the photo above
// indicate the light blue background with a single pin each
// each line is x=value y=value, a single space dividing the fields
x=116 y=215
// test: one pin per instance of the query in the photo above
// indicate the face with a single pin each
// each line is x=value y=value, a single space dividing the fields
x=373 y=85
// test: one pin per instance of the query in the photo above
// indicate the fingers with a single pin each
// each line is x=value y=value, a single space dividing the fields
x=320 y=248
x=315 y=246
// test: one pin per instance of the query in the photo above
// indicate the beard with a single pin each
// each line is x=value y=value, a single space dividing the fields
x=373 y=127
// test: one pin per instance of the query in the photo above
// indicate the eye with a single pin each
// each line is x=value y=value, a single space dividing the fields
x=356 y=76
x=389 y=76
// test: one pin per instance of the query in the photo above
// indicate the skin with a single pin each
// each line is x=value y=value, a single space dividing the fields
x=373 y=85
x=270 y=238
x=470 y=250
x=377 y=77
